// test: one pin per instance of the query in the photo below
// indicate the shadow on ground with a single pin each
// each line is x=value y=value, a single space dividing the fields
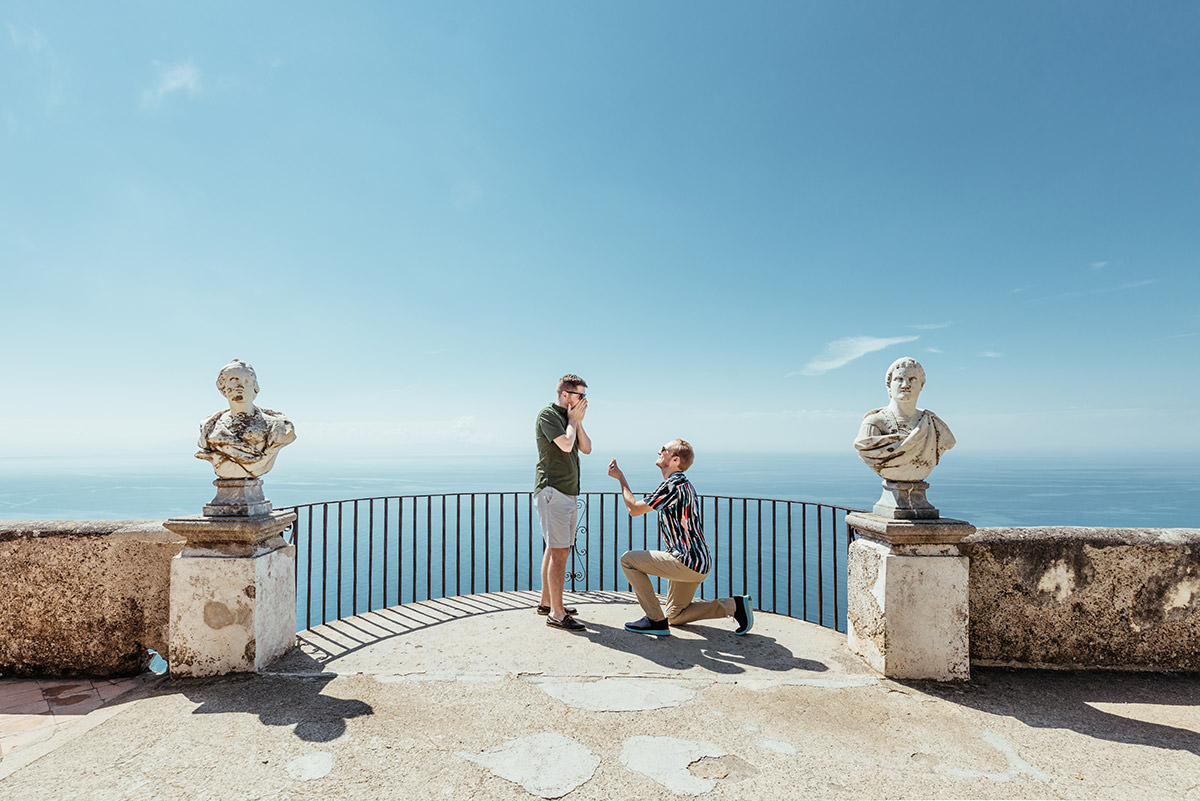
x=296 y=701
x=353 y=635
x=721 y=651
x=1052 y=699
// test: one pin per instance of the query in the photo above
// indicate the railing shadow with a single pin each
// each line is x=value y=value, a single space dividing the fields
x=1050 y=699
x=324 y=644
x=715 y=649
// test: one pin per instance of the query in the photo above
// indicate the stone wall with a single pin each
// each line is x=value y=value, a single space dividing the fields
x=1085 y=597
x=86 y=598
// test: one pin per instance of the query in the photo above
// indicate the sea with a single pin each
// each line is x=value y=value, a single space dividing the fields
x=1142 y=491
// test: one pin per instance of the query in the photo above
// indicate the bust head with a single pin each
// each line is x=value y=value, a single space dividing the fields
x=905 y=379
x=237 y=382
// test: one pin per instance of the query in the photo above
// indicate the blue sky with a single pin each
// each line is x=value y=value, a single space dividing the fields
x=411 y=218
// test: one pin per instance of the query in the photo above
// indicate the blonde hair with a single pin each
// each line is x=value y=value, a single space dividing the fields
x=683 y=449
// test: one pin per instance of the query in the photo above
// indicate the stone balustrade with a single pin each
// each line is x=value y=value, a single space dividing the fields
x=1085 y=597
x=90 y=598
x=83 y=597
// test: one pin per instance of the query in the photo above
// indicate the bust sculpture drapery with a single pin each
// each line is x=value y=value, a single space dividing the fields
x=243 y=440
x=899 y=441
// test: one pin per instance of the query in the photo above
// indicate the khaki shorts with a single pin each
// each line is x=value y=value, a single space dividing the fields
x=557 y=513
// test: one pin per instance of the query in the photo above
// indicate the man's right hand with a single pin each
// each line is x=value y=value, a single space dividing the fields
x=615 y=471
x=575 y=413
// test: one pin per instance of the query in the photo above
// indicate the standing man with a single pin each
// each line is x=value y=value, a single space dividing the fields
x=560 y=440
x=685 y=562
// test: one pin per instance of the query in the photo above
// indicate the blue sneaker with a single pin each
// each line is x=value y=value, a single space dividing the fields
x=658 y=628
x=743 y=613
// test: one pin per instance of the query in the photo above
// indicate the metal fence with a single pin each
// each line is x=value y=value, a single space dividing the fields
x=364 y=554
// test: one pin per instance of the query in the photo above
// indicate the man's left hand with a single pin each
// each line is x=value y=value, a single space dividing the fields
x=615 y=471
x=576 y=412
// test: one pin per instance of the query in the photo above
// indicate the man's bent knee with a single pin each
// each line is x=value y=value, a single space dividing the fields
x=673 y=612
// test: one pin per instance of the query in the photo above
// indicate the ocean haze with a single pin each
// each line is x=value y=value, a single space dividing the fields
x=1144 y=491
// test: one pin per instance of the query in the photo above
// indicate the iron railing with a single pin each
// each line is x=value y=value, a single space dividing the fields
x=363 y=554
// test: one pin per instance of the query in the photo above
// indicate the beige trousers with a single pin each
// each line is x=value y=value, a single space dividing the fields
x=682 y=583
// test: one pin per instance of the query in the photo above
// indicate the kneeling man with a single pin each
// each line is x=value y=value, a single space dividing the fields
x=685 y=562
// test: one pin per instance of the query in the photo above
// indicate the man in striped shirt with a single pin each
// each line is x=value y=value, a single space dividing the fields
x=685 y=562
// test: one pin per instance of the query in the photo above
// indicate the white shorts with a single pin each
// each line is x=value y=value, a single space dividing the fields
x=557 y=513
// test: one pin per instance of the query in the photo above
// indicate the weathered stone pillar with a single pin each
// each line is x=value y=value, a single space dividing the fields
x=233 y=594
x=233 y=587
x=907 y=602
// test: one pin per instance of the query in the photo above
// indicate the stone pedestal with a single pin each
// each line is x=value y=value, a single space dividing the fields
x=905 y=500
x=233 y=594
x=907 y=612
x=240 y=497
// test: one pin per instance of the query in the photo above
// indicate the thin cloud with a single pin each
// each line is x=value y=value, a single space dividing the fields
x=1106 y=290
x=464 y=429
x=841 y=352
x=33 y=42
x=991 y=354
x=934 y=350
x=172 y=78
x=931 y=326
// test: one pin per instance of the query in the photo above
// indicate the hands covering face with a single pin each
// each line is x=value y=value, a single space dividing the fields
x=577 y=410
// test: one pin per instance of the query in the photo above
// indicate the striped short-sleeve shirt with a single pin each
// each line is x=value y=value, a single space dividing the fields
x=680 y=524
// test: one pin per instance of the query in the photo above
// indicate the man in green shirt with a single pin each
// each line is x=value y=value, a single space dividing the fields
x=560 y=439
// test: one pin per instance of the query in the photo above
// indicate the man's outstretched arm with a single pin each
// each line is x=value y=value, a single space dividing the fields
x=636 y=507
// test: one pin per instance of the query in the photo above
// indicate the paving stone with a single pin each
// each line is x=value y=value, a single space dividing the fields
x=548 y=764
x=618 y=695
x=313 y=765
x=666 y=760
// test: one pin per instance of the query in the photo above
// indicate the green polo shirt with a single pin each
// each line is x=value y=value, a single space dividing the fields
x=555 y=468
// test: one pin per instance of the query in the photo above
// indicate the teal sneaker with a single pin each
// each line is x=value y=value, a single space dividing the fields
x=743 y=613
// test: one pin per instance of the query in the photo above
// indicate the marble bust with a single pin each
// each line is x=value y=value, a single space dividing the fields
x=899 y=441
x=242 y=441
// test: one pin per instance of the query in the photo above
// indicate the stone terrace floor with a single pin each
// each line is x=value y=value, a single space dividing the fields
x=475 y=697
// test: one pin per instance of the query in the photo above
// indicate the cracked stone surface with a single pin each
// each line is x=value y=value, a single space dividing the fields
x=313 y=765
x=547 y=764
x=618 y=695
x=666 y=760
